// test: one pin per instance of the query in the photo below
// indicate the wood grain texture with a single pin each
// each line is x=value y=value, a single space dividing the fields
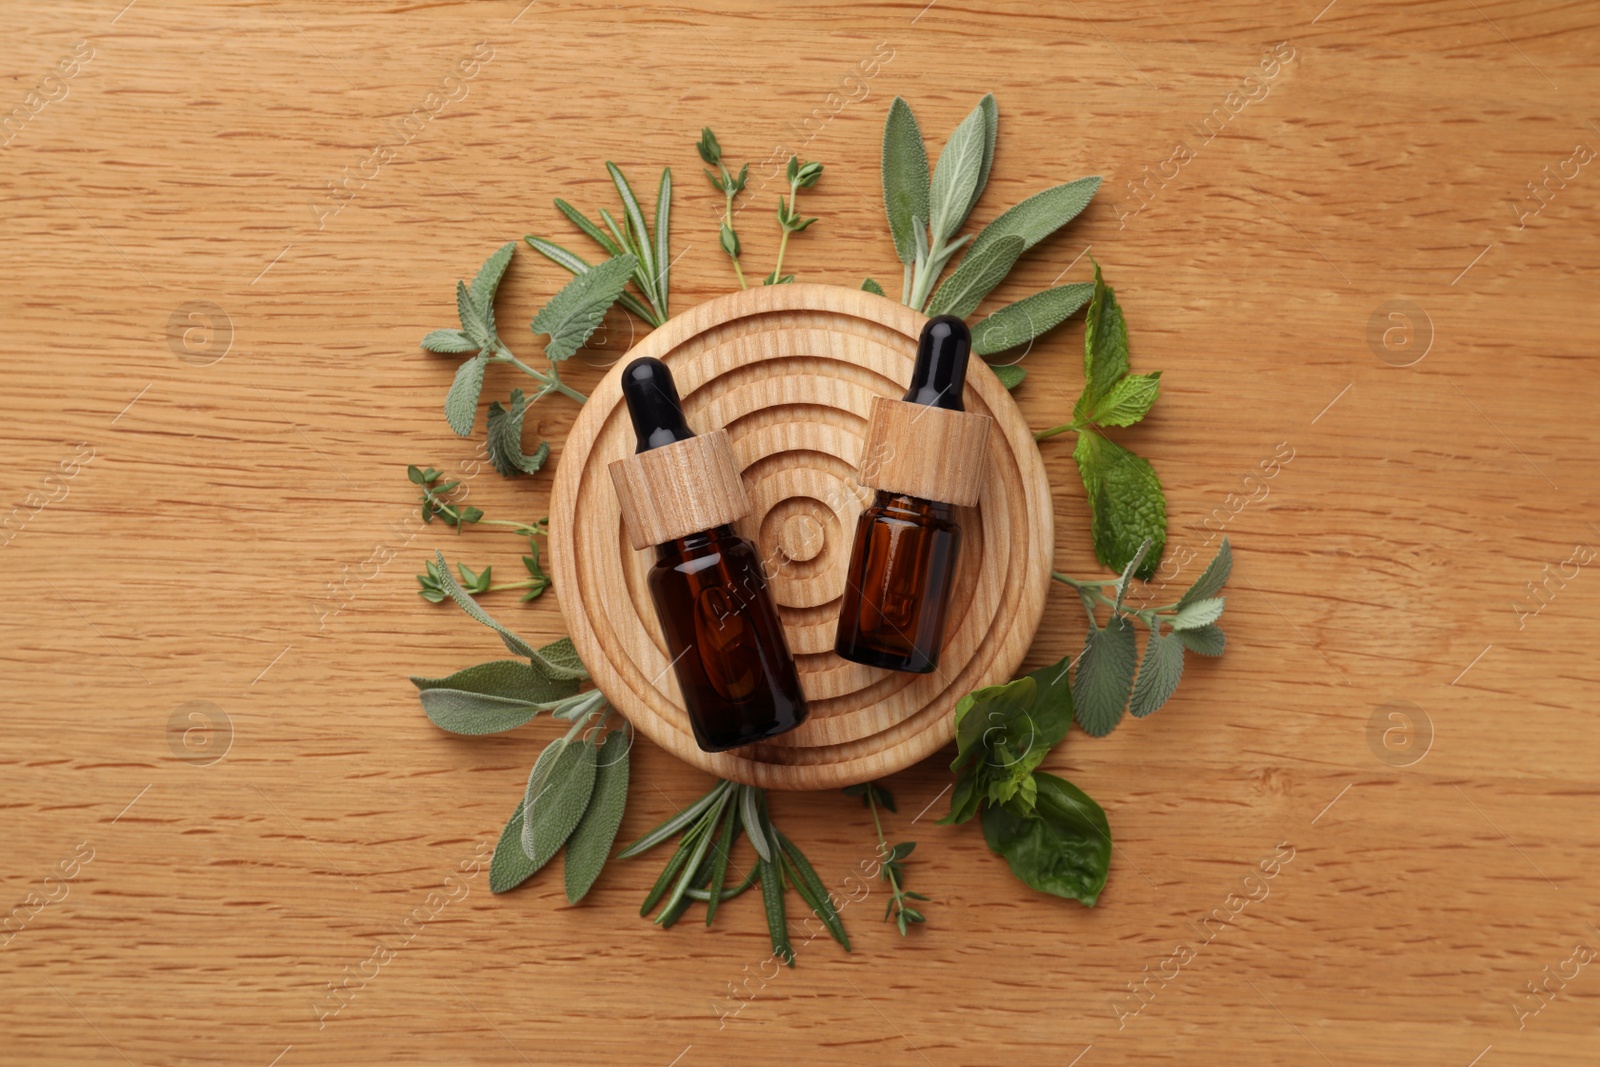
x=226 y=232
x=791 y=375
x=932 y=453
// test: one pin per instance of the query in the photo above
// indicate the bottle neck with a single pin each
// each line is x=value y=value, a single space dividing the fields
x=911 y=508
x=695 y=543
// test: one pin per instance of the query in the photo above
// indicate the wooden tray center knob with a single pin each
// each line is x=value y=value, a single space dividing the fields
x=801 y=538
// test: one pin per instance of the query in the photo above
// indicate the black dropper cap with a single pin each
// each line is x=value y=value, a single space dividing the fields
x=653 y=404
x=941 y=370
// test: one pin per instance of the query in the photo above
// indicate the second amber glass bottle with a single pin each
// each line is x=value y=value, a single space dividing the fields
x=923 y=454
x=682 y=492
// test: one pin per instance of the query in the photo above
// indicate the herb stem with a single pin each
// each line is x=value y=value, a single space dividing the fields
x=727 y=217
x=783 y=244
x=1052 y=431
x=551 y=382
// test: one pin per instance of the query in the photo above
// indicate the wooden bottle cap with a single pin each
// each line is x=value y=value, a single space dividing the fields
x=679 y=489
x=928 y=452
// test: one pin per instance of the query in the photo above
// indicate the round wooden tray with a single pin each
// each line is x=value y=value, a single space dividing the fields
x=790 y=371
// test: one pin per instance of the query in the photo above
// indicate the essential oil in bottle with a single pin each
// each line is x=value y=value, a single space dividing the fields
x=925 y=455
x=681 y=492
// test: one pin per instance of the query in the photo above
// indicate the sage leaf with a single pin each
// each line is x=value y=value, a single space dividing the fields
x=593 y=232
x=1010 y=375
x=1212 y=579
x=1204 y=640
x=1159 y=673
x=1127 y=401
x=559 y=659
x=1105 y=347
x=750 y=814
x=487 y=282
x=955 y=176
x=1126 y=505
x=461 y=403
x=868 y=285
x=1028 y=318
x=1104 y=676
x=449 y=341
x=505 y=439
x=663 y=253
x=590 y=844
x=573 y=313
x=491 y=697
x=905 y=179
x=991 y=130
x=1063 y=848
x=1198 y=613
x=556 y=798
x=510 y=866
x=1042 y=214
x=974 y=278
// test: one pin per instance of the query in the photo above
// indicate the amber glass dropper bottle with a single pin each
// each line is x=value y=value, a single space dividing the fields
x=924 y=455
x=681 y=492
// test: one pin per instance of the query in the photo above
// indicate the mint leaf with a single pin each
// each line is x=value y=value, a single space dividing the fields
x=1041 y=214
x=487 y=282
x=573 y=313
x=955 y=177
x=1205 y=640
x=505 y=439
x=558 y=792
x=1028 y=318
x=1063 y=848
x=1105 y=673
x=1105 y=347
x=905 y=179
x=1010 y=375
x=1198 y=613
x=1126 y=505
x=461 y=403
x=449 y=341
x=590 y=844
x=1212 y=579
x=1127 y=401
x=974 y=278
x=489 y=698
x=1159 y=673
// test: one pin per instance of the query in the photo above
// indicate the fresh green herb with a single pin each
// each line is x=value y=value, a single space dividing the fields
x=651 y=252
x=800 y=176
x=436 y=503
x=1106 y=683
x=698 y=870
x=891 y=867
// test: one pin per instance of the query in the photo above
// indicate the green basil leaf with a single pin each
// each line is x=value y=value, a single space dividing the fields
x=1028 y=318
x=1126 y=505
x=905 y=179
x=974 y=278
x=1063 y=848
x=1052 y=703
x=1104 y=676
x=590 y=844
x=1159 y=673
x=461 y=403
x=573 y=313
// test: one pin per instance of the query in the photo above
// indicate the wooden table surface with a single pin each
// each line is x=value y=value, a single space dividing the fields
x=1353 y=281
